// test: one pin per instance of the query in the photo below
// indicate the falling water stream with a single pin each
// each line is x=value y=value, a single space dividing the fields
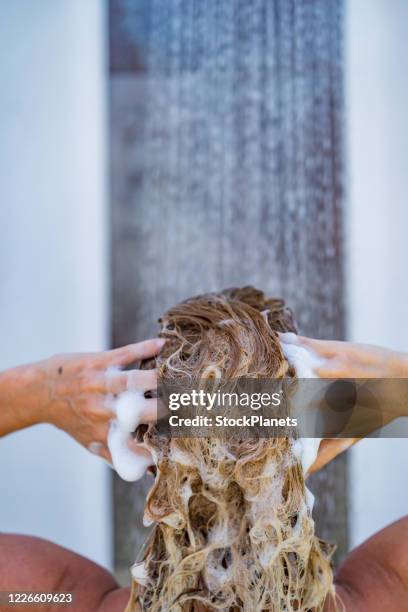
x=227 y=158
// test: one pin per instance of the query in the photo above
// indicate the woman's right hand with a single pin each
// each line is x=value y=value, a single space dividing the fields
x=349 y=360
x=352 y=360
x=81 y=390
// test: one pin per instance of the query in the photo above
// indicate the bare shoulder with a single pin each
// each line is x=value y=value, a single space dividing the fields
x=374 y=576
x=33 y=564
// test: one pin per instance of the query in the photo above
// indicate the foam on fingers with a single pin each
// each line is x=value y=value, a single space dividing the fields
x=304 y=360
x=306 y=450
x=129 y=464
x=129 y=409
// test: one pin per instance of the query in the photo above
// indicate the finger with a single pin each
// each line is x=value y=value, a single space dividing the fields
x=93 y=382
x=101 y=450
x=332 y=368
x=139 y=448
x=132 y=380
x=105 y=454
x=288 y=337
x=95 y=447
x=134 y=352
x=97 y=409
x=329 y=450
x=100 y=433
x=129 y=460
x=133 y=409
x=151 y=411
x=142 y=380
x=325 y=348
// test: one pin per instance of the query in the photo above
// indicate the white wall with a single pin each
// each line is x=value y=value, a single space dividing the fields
x=53 y=252
x=377 y=159
x=53 y=255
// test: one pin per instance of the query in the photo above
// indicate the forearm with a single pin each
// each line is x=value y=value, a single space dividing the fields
x=393 y=387
x=73 y=392
x=401 y=360
x=21 y=398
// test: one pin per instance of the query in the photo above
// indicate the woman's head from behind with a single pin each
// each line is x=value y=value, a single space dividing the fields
x=233 y=529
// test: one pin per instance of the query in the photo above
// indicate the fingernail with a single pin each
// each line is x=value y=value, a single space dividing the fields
x=160 y=342
x=95 y=447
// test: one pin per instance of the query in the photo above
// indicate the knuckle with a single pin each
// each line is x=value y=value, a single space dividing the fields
x=90 y=382
x=93 y=411
x=84 y=382
x=56 y=359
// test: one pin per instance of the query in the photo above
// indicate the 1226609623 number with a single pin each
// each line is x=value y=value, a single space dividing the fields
x=13 y=598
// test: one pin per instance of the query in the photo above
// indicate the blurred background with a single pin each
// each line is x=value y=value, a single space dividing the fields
x=55 y=253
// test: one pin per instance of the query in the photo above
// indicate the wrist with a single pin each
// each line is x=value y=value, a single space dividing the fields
x=400 y=365
x=35 y=381
x=396 y=390
x=22 y=397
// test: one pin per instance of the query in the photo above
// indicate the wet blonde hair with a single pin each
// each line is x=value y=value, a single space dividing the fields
x=232 y=529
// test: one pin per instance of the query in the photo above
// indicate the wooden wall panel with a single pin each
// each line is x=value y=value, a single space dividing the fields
x=226 y=169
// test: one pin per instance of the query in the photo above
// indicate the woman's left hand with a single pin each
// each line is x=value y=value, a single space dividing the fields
x=347 y=360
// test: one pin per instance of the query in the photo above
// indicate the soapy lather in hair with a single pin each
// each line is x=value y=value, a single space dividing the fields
x=233 y=518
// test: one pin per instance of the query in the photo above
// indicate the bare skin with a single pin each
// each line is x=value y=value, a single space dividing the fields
x=36 y=565
x=72 y=392
x=351 y=361
x=373 y=578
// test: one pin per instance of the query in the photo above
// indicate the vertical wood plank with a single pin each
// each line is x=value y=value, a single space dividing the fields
x=226 y=169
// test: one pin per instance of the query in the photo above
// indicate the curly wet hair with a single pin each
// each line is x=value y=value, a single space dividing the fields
x=232 y=527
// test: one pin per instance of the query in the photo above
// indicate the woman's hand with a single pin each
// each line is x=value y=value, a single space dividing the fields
x=357 y=361
x=351 y=360
x=74 y=392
